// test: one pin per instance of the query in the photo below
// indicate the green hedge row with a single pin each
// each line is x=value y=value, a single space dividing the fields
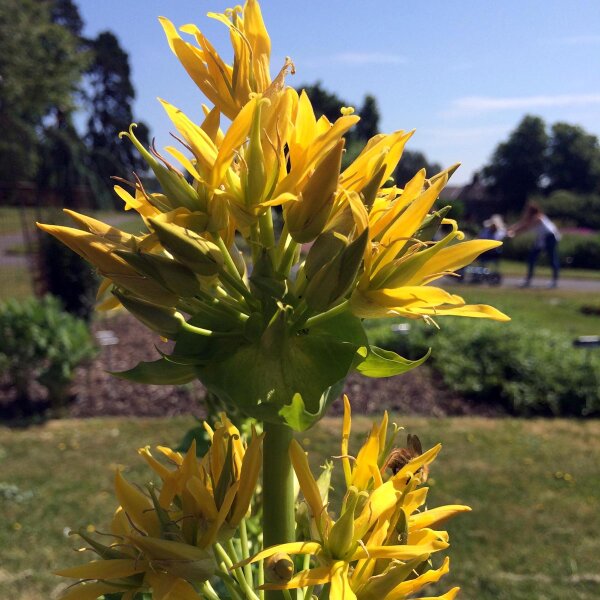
x=579 y=251
x=577 y=210
x=528 y=372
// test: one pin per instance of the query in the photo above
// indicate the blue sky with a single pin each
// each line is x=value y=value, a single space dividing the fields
x=461 y=73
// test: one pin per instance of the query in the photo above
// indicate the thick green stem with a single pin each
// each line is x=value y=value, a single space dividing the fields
x=278 y=491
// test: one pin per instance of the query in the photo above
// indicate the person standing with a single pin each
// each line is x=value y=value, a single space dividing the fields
x=547 y=237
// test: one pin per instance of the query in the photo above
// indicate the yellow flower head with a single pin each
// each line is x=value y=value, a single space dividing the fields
x=263 y=250
x=162 y=541
x=382 y=535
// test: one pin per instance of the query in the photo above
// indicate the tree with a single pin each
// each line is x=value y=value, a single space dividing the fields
x=573 y=159
x=368 y=126
x=40 y=68
x=517 y=165
x=66 y=14
x=110 y=103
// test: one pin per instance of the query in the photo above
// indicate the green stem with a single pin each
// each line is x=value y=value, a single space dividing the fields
x=282 y=242
x=245 y=551
x=228 y=559
x=255 y=242
x=208 y=591
x=267 y=235
x=261 y=578
x=229 y=264
x=278 y=491
x=306 y=565
x=329 y=314
x=288 y=257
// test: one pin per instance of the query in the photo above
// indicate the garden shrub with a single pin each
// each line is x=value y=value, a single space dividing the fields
x=571 y=209
x=40 y=342
x=576 y=250
x=66 y=275
x=528 y=372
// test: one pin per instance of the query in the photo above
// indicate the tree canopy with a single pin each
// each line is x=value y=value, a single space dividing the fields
x=518 y=164
x=110 y=101
x=573 y=159
x=40 y=70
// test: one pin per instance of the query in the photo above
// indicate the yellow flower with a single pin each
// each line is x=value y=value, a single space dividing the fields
x=163 y=542
x=380 y=538
x=401 y=259
x=228 y=87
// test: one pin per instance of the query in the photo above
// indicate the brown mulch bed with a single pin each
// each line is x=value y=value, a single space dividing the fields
x=97 y=393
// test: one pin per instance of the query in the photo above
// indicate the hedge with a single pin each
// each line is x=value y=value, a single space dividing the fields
x=528 y=372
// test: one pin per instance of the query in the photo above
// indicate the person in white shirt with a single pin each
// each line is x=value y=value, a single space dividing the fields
x=547 y=237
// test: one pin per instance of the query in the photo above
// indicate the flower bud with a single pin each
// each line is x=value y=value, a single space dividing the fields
x=307 y=217
x=166 y=321
x=255 y=176
x=341 y=538
x=336 y=277
x=279 y=568
x=171 y=274
x=177 y=189
x=194 y=251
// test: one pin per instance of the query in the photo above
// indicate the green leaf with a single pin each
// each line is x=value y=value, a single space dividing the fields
x=287 y=377
x=159 y=372
x=299 y=419
x=385 y=363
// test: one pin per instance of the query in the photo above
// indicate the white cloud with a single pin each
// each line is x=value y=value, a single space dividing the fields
x=471 y=104
x=368 y=58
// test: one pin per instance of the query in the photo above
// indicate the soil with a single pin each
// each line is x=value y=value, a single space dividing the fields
x=96 y=392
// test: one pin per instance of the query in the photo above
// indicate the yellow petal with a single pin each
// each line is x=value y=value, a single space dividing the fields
x=412 y=586
x=137 y=505
x=307 y=482
x=289 y=548
x=367 y=456
x=450 y=595
x=235 y=136
x=105 y=569
x=248 y=478
x=400 y=552
x=436 y=516
x=90 y=591
x=345 y=439
x=340 y=585
x=305 y=578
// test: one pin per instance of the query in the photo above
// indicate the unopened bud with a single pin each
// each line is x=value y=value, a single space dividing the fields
x=341 y=538
x=307 y=217
x=174 y=276
x=195 y=252
x=166 y=321
x=177 y=189
x=279 y=568
x=336 y=277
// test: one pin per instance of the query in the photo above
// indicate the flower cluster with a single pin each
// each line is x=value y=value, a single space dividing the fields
x=237 y=288
x=171 y=541
x=381 y=543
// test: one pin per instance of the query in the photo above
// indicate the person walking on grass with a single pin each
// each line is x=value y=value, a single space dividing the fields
x=547 y=237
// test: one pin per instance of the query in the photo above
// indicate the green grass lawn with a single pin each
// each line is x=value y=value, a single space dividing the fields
x=558 y=310
x=533 y=485
x=519 y=269
x=15 y=282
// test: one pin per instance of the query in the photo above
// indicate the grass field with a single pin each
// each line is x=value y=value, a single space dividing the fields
x=519 y=269
x=558 y=310
x=533 y=485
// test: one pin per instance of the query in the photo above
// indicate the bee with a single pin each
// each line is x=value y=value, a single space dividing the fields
x=399 y=457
